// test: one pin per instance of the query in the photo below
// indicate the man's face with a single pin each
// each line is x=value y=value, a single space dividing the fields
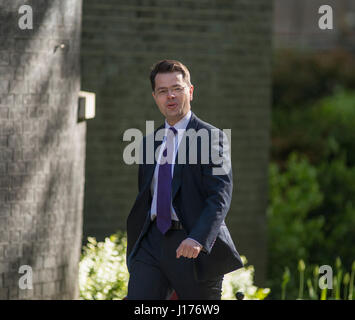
x=172 y=95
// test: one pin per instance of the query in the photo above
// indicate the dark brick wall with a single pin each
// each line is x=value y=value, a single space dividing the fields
x=42 y=150
x=226 y=45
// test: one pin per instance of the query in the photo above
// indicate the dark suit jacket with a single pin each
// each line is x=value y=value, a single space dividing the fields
x=201 y=201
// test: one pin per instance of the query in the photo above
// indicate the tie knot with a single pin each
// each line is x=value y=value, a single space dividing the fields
x=173 y=130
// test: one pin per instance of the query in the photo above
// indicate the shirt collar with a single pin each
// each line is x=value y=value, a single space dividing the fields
x=182 y=124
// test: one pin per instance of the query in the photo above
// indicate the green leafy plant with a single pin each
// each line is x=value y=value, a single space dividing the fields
x=285 y=281
x=293 y=194
x=313 y=121
x=242 y=280
x=103 y=274
x=351 y=284
x=301 y=268
x=311 y=211
x=342 y=284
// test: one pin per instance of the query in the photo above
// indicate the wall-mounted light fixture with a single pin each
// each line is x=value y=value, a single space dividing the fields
x=86 y=105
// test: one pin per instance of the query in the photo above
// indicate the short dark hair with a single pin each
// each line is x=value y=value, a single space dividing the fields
x=165 y=66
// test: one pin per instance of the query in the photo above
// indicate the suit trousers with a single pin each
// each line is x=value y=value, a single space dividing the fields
x=156 y=272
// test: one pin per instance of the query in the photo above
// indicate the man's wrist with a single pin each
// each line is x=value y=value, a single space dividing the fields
x=199 y=244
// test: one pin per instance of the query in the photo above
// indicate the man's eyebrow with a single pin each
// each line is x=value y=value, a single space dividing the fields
x=161 y=88
x=174 y=85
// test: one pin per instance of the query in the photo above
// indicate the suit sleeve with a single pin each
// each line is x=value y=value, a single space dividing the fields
x=217 y=182
x=140 y=176
x=141 y=163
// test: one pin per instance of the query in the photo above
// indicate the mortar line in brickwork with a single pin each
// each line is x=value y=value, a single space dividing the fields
x=159 y=21
x=210 y=13
x=215 y=56
x=209 y=10
x=208 y=34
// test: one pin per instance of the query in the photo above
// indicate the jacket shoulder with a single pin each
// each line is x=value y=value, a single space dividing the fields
x=201 y=124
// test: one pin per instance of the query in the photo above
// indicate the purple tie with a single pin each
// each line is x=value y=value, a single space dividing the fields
x=164 y=184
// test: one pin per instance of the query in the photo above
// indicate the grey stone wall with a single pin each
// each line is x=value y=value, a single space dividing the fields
x=227 y=47
x=42 y=149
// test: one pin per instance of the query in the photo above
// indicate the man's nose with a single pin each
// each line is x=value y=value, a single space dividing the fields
x=171 y=94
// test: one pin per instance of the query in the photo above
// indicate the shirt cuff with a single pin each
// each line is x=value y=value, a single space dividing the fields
x=201 y=246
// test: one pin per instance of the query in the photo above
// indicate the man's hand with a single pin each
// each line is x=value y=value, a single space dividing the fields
x=188 y=248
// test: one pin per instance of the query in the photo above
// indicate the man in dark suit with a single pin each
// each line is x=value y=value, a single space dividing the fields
x=176 y=235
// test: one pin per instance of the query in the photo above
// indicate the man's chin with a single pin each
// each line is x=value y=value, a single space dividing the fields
x=173 y=116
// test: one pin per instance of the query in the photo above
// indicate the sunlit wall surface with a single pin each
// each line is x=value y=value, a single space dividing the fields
x=42 y=149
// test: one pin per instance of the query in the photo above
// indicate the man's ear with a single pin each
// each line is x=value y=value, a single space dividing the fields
x=191 y=92
x=154 y=97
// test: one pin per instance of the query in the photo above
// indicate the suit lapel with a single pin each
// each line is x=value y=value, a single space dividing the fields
x=151 y=167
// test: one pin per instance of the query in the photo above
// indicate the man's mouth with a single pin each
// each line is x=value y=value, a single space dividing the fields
x=171 y=105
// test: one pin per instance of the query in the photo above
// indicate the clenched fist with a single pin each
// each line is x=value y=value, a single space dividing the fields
x=188 y=248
